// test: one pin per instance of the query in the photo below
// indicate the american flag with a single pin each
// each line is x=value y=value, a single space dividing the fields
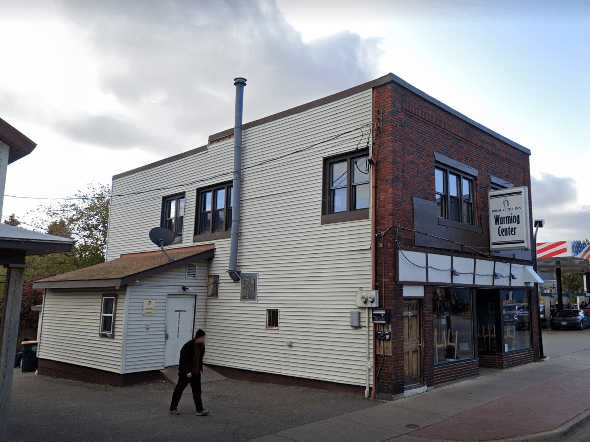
x=548 y=250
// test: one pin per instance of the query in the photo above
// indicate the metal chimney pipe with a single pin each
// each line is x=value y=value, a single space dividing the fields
x=233 y=271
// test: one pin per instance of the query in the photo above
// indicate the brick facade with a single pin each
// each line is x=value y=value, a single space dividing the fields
x=408 y=131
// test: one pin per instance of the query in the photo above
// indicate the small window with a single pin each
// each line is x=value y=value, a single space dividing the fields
x=346 y=183
x=454 y=195
x=214 y=210
x=249 y=286
x=107 y=316
x=173 y=215
x=440 y=186
x=272 y=318
x=213 y=286
x=191 y=271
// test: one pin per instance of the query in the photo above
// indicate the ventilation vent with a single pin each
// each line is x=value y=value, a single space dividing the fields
x=191 y=271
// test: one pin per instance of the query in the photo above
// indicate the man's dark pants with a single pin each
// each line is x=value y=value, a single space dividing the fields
x=183 y=381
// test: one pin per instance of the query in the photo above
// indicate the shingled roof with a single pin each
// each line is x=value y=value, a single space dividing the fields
x=127 y=268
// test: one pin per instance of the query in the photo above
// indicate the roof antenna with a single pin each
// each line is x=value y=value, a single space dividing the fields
x=162 y=237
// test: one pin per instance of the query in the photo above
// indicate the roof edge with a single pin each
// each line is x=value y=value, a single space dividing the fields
x=400 y=82
x=114 y=284
x=20 y=145
x=385 y=79
x=178 y=156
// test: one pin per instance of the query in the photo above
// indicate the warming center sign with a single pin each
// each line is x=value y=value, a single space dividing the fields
x=510 y=219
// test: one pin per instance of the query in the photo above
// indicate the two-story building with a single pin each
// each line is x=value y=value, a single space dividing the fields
x=379 y=191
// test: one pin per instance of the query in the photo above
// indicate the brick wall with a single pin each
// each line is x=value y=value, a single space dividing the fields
x=407 y=132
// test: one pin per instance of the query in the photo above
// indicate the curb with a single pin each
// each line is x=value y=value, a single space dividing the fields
x=554 y=434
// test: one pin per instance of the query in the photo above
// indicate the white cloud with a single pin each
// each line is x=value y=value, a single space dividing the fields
x=555 y=199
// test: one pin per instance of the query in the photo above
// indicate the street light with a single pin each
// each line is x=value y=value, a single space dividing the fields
x=538 y=224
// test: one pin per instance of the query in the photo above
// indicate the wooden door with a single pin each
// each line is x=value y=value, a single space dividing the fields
x=412 y=330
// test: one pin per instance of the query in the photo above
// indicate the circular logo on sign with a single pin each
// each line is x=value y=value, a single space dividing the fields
x=506 y=203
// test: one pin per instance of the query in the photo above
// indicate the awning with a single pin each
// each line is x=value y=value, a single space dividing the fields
x=127 y=268
x=530 y=276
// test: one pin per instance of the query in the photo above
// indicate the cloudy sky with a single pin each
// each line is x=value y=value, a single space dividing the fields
x=106 y=86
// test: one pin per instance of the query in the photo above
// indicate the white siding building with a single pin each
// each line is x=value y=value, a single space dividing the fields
x=309 y=266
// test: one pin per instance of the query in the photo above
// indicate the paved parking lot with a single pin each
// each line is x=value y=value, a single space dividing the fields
x=51 y=409
x=60 y=410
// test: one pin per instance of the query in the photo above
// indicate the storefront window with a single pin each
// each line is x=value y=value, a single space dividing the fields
x=452 y=324
x=516 y=319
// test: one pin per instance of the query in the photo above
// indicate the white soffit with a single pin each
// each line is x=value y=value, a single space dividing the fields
x=502 y=274
x=439 y=268
x=413 y=291
x=464 y=266
x=484 y=272
x=412 y=266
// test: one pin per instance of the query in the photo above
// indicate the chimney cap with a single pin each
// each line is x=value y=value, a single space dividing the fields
x=239 y=80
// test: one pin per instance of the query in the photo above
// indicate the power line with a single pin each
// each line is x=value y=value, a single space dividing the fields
x=211 y=177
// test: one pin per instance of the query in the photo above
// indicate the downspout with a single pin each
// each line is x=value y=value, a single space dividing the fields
x=232 y=270
x=373 y=199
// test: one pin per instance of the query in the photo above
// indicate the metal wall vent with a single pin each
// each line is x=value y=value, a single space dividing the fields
x=191 y=271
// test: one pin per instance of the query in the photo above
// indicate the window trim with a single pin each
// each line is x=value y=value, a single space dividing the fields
x=211 y=235
x=348 y=214
x=101 y=332
x=174 y=197
x=447 y=195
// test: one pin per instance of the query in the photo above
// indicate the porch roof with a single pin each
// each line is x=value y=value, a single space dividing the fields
x=16 y=242
x=126 y=268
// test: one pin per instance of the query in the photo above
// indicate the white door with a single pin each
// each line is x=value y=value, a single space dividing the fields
x=179 y=325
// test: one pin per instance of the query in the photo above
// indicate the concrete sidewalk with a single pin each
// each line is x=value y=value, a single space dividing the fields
x=533 y=402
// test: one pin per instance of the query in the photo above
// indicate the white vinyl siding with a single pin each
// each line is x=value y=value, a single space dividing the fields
x=70 y=330
x=310 y=271
x=145 y=334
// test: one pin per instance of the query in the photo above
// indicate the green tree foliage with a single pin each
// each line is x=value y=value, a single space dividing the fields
x=84 y=218
x=572 y=282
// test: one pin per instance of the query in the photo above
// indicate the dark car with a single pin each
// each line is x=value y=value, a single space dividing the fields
x=570 y=319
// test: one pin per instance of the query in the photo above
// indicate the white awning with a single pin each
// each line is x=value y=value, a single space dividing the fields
x=531 y=276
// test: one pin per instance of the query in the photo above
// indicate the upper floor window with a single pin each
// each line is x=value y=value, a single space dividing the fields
x=346 y=183
x=214 y=209
x=454 y=195
x=173 y=214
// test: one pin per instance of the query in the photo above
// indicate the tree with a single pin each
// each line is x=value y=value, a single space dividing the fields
x=572 y=282
x=84 y=218
x=12 y=220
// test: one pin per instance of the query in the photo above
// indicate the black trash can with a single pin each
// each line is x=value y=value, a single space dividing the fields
x=29 y=356
x=17 y=358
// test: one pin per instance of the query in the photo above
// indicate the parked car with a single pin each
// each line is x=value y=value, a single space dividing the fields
x=543 y=315
x=570 y=318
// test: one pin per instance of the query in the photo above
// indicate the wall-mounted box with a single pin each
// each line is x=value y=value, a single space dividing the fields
x=367 y=298
x=380 y=316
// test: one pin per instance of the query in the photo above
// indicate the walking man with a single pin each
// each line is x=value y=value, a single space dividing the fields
x=190 y=367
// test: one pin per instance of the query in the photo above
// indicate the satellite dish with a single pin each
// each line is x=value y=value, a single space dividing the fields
x=161 y=237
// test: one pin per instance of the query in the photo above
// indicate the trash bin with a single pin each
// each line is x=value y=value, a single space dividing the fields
x=29 y=356
x=17 y=358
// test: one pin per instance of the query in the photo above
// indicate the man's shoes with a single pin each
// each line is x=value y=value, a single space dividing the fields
x=203 y=413
x=174 y=412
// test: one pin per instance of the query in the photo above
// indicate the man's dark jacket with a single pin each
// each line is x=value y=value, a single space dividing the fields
x=191 y=358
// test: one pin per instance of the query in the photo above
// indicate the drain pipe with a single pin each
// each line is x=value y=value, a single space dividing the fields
x=232 y=270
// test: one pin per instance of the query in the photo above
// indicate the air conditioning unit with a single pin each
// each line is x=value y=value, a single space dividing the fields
x=367 y=298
